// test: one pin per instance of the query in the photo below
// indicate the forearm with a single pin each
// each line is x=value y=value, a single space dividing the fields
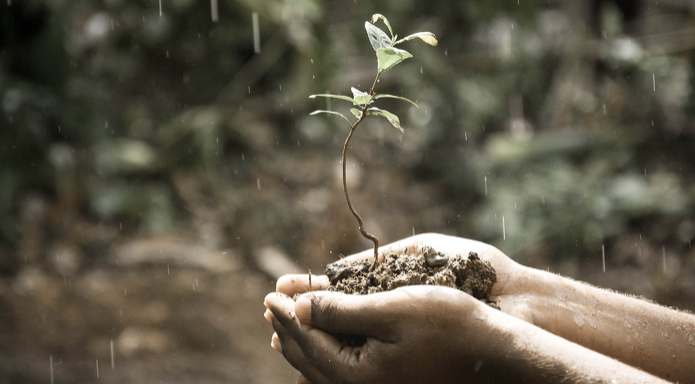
x=639 y=333
x=527 y=353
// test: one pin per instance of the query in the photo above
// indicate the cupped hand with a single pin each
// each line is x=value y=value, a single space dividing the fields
x=414 y=334
x=509 y=292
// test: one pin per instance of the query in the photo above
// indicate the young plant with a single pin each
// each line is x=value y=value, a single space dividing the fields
x=388 y=56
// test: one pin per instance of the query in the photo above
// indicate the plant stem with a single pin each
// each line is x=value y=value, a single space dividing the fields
x=364 y=233
x=371 y=90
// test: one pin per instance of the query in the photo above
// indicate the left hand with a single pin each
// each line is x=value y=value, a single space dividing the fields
x=413 y=334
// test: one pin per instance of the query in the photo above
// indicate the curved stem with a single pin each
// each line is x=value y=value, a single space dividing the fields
x=364 y=233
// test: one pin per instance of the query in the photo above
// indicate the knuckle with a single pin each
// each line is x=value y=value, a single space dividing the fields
x=329 y=313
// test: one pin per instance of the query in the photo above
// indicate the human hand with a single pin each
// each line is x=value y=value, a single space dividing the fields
x=413 y=334
x=509 y=292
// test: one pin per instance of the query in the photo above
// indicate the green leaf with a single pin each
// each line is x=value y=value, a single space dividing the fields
x=383 y=95
x=377 y=37
x=341 y=97
x=376 y=17
x=388 y=58
x=362 y=98
x=356 y=112
x=427 y=37
x=393 y=119
x=331 y=113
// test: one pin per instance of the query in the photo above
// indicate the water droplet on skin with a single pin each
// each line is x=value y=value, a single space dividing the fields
x=578 y=319
x=664 y=333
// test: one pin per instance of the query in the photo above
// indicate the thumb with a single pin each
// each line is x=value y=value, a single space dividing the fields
x=338 y=313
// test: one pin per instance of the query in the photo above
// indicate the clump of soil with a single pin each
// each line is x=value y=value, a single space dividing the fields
x=428 y=267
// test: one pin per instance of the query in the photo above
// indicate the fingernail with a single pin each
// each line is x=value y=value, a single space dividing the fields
x=275 y=343
x=268 y=316
x=302 y=309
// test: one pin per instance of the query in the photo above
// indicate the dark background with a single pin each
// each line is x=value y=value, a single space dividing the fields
x=157 y=173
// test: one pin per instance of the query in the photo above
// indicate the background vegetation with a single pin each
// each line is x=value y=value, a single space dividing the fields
x=136 y=135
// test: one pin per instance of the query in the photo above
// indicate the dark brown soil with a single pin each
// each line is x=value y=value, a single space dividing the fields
x=469 y=274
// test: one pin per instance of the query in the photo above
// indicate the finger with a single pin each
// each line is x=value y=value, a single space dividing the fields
x=292 y=284
x=275 y=342
x=338 y=313
x=294 y=354
x=303 y=380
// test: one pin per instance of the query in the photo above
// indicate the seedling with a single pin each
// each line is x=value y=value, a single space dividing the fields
x=388 y=56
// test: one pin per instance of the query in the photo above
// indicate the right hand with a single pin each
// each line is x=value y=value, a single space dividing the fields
x=509 y=291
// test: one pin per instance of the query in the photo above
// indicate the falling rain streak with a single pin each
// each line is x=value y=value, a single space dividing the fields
x=485 y=185
x=50 y=362
x=256 y=33
x=663 y=258
x=97 y=368
x=113 y=365
x=160 y=8
x=603 y=257
x=504 y=230
x=213 y=10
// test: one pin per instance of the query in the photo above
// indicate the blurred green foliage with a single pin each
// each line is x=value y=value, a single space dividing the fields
x=573 y=122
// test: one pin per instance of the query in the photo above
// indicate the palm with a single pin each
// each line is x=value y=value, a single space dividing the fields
x=507 y=292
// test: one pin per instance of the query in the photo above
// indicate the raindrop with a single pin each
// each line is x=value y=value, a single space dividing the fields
x=413 y=231
x=654 y=81
x=663 y=257
x=113 y=365
x=603 y=257
x=421 y=70
x=323 y=245
x=504 y=232
x=280 y=87
x=258 y=183
x=97 y=368
x=167 y=54
x=256 y=33
x=160 y=8
x=312 y=61
x=249 y=90
x=605 y=111
x=465 y=135
x=485 y=185
x=50 y=358
x=120 y=225
x=213 y=10
x=59 y=129
x=242 y=157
